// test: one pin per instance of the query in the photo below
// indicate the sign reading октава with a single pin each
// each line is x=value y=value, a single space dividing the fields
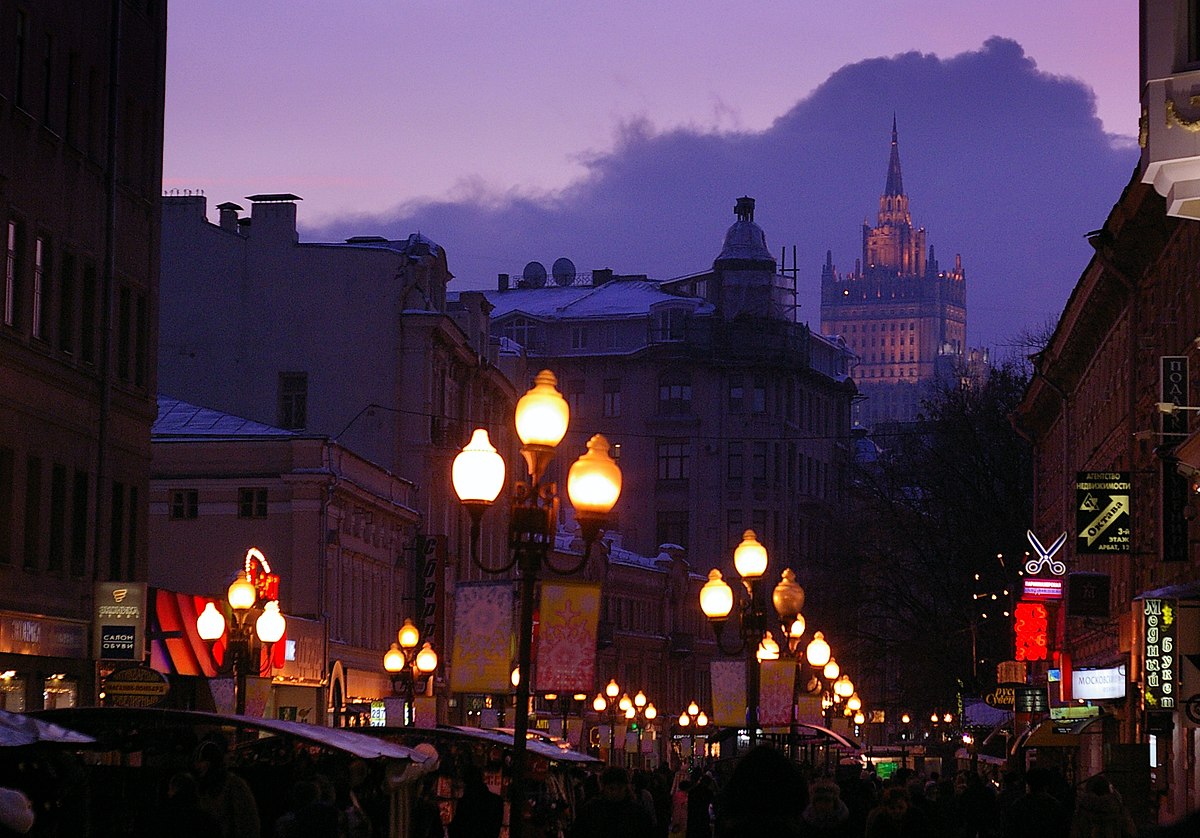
x=1103 y=500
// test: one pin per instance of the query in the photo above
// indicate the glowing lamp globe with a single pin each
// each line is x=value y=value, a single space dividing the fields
x=684 y=720
x=625 y=703
x=210 y=625
x=843 y=687
x=639 y=700
x=702 y=720
x=854 y=702
x=651 y=713
x=859 y=718
x=768 y=649
x=630 y=713
x=478 y=470
x=796 y=630
x=831 y=670
x=818 y=651
x=594 y=481
x=270 y=625
x=408 y=636
x=542 y=413
x=716 y=597
x=905 y=719
x=693 y=709
x=427 y=659
x=599 y=704
x=242 y=595
x=612 y=688
x=750 y=557
x=515 y=678
x=933 y=718
x=393 y=659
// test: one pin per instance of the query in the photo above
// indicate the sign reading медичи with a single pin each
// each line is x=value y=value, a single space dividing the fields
x=1159 y=667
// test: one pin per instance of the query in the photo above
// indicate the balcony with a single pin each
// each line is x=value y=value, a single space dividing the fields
x=1171 y=134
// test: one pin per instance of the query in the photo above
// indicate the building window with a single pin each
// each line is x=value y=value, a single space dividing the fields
x=524 y=332
x=674 y=460
x=735 y=526
x=575 y=391
x=47 y=78
x=20 y=55
x=667 y=325
x=33 y=510
x=579 y=337
x=10 y=276
x=252 y=503
x=759 y=395
x=734 y=462
x=87 y=315
x=293 y=400
x=66 y=304
x=736 y=392
x=79 y=523
x=185 y=504
x=672 y=528
x=40 y=294
x=58 y=517
x=612 y=397
x=675 y=393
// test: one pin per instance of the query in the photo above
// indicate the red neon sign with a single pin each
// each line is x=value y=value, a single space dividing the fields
x=1032 y=628
x=258 y=570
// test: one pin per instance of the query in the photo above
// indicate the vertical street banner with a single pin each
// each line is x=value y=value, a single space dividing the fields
x=1160 y=661
x=776 y=690
x=481 y=660
x=728 y=693
x=1103 y=500
x=1173 y=389
x=429 y=564
x=566 y=644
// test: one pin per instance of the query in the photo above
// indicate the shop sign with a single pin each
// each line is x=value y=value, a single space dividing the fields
x=1159 y=653
x=120 y=621
x=258 y=570
x=1087 y=594
x=1074 y=712
x=1031 y=627
x=32 y=634
x=1173 y=389
x=1102 y=512
x=1098 y=684
x=135 y=686
x=1005 y=695
x=1031 y=700
x=1042 y=588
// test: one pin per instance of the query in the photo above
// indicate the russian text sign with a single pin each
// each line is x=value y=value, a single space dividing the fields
x=1102 y=512
x=1160 y=662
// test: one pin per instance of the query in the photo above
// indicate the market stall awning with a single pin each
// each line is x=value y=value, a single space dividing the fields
x=839 y=738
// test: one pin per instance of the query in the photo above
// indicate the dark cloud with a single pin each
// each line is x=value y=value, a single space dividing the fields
x=1002 y=163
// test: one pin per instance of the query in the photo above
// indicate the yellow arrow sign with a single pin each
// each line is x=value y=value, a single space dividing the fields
x=1118 y=506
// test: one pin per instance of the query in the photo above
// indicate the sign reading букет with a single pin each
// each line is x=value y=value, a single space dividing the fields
x=1103 y=500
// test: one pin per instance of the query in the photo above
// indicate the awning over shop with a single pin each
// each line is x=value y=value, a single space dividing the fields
x=1053 y=733
x=839 y=738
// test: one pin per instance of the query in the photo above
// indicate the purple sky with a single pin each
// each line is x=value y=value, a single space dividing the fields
x=388 y=102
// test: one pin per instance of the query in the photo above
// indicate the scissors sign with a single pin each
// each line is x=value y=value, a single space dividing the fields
x=1045 y=557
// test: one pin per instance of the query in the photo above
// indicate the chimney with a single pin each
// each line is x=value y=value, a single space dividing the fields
x=229 y=216
x=502 y=282
x=601 y=276
x=274 y=216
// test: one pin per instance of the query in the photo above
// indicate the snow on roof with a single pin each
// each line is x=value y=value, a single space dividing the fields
x=177 y=419
x=628 y=297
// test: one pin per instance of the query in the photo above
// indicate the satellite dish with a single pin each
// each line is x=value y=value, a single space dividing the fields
x=564 y=271
x=534 y=275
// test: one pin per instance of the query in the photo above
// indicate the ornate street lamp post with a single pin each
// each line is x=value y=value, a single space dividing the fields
x=593 y=486
x=405 y=663
x=245 y=600
x=691 y=719
x=755 y=620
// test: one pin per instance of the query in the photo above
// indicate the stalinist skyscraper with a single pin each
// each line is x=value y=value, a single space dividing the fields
x=904 y=317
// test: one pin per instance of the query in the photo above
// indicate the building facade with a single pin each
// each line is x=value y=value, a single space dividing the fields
x=80 y=176
x=728 y=415
x=898 y=311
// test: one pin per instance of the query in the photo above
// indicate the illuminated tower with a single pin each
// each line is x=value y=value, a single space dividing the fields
x=903 y=317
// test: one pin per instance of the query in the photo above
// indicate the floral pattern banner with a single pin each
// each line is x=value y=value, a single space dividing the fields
x=566 y=643
x=776 y=690
x=482 y=658
x=728 y=693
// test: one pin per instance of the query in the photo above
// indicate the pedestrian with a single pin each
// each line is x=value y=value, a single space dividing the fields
x=614 y=813
x=679 y=809
x=16 y=812
x=826 y=815
x=764 y=796
x=701 y=797
x=894 y=818
x=309 y=816
x=479 y=813
x=977 y=806
x=223 y=794
x=1037 y=812
x=643 y=795
x=1100 y=813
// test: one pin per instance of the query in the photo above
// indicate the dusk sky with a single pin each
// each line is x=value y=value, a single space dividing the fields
x=495 y=128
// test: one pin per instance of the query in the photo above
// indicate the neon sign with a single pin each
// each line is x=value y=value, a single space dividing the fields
x=1159 y=661
x=1031 y=625
x=258 y=569
x=1045 y=556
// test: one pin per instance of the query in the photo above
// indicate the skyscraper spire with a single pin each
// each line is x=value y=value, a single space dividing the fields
x=895 y=184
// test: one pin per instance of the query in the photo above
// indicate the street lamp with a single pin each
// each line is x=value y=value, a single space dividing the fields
x=639 y=707
x=691 y=719
x=405 y=663
x=245 y=599
x=593 y=486
x=717 y=601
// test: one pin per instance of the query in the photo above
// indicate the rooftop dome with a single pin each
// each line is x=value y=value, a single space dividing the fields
x=745 y=240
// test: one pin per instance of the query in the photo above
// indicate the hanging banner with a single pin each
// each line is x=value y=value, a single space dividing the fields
x=728 y=693
x=1173 y=389
x=482 y=658
x=1160 y=660
x=1102 y=512
x=776 y=690
x=566 y=643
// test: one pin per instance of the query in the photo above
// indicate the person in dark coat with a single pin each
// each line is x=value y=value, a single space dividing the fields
x=1100 y=813
x=1037 y=812
x=895 y=818
x=223 y=794
x=614 y=814
x=479 y=813
x=764 y=797
x=701 y=796
x=825 y=816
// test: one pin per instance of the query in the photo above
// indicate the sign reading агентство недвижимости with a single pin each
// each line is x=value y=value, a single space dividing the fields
x=1103 y=500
